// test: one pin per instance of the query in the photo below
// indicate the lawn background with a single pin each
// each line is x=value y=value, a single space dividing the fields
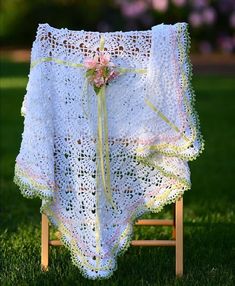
x=209 y=224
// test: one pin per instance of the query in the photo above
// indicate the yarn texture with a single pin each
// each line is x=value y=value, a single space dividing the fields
x=151 y=128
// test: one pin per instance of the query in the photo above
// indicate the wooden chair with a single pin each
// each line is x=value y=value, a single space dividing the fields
x=177 y=235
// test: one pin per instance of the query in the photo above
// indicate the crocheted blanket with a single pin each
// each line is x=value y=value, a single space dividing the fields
x=109 y=127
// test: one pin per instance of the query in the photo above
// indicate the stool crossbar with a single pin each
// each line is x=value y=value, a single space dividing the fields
x=177 y=235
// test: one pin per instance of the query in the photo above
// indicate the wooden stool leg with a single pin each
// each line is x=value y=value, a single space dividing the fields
x=179 y=236
x=44 y=243
x=173 y=234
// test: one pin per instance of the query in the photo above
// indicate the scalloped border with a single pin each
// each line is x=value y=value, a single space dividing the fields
x=70 y=243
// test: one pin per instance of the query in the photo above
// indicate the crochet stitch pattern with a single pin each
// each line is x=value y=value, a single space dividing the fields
x=153 y=131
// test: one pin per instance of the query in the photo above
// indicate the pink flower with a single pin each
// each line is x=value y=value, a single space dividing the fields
x=232 y=20
x=209 y=15
x=179 y=3
x=98 y=81
x=104 y=59
x=112 y=75
x=160 y=5
x=100 y=70
x=91 y=63
x=195 y=19
x=133 y=9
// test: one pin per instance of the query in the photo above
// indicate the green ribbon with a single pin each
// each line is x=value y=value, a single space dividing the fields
x=102 y=132
x=103 y=128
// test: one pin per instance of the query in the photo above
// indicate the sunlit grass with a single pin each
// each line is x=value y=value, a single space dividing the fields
x=9 y=82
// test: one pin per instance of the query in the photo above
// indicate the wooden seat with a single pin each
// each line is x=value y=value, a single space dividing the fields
x=177 y=235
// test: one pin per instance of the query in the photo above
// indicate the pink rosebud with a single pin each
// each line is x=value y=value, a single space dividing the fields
x=99 y=72
x=112 y=75
x=98 y=78
x=104 y=59
x=91 y=63
x=99 y=81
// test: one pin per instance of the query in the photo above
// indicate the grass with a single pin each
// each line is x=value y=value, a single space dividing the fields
x=209 y=219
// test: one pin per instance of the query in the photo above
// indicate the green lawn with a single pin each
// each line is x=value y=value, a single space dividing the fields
x=209 y=219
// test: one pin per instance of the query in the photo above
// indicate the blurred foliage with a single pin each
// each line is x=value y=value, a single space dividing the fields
x=212 y=23
x=19 y=18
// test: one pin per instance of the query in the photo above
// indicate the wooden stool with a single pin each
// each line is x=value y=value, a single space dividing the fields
x=177 y=234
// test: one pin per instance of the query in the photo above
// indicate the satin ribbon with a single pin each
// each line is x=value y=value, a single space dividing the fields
x=102 y=131
x=103 y=128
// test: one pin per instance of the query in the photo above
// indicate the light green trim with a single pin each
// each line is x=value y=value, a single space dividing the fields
x=22 y=173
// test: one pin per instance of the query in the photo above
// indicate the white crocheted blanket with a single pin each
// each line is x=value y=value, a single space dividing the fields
x=100 y=157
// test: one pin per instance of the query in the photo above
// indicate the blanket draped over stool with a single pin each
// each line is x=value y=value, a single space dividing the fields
x=109 y=127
